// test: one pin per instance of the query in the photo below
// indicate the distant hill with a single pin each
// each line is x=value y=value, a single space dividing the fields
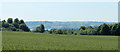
x=64 y=25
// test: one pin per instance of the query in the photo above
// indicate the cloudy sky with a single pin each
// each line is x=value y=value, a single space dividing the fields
x=61 y=10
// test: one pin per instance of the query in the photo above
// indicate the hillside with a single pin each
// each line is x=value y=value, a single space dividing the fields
x=64 y=25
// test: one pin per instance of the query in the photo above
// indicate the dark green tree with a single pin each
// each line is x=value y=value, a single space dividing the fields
x=98 y=30
x=5 y=25
x=11 y=29
x=16 y=21
x=90 y=27
x=105 y=30
x=118 y=30
x=83 y=32
x=114 y=29
x=21 y=22
x=82 y=27
x=24 y=27
x=3 y=21
x=16 y=25
x=10 y=20
x=40 y=28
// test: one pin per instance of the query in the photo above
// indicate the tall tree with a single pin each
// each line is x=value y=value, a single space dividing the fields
x=105 y=30
x=5 y=25
x=16 y=25
x=82 y=27
x=16 y=21
x=10 y=20
x=24 y=27
x=22 y=22
x=114 y=29
x=118 y=30
x=40 y=28
x=90 y=27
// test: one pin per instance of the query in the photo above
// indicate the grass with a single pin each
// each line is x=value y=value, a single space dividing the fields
x=42 y=41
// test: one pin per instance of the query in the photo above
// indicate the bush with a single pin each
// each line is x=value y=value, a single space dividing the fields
x=5 y=25
x=24 y=28
x=59 y=31
x=40 y=29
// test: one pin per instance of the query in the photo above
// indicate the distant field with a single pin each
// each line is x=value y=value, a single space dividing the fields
x=39 y=41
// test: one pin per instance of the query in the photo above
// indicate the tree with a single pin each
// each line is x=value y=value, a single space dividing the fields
x=22 y=22
x=16 y=25
x=16 y=21
x=11 y=29
x=105 y=29
x=59 y=31
x=82 y=27
x=114 y=29
x=52 y=31
x=83 y=32
x=98 y=30
x=64 y=31
x=90 y=27
x=3 y=21
x=24 y=28
x=118 y=30
x=69 y=31
x=91 y=31
x=10 y=20
x=5 y=25
x=40 y=28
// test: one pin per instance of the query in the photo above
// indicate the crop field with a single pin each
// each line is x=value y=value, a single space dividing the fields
x=43 y=41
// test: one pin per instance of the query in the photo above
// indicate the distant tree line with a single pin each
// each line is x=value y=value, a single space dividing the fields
x=16 y=25
x=103 y=29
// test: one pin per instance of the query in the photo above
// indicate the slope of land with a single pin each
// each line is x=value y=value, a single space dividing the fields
x=64 y=25
x=42 y=41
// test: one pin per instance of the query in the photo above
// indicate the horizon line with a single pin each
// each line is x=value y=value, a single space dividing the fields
x=70 y=21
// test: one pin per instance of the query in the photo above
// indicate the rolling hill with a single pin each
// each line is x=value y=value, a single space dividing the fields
x=64 y=25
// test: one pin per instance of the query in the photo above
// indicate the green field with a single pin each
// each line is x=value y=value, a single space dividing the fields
x=42 y=41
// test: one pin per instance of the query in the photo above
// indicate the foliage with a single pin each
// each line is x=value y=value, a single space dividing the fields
x=24 y=27
x=14 y=26
x=10 y=20
x=16 y=21
x=105 y=30
x=82 y=27
x=5 y=25
x=69 y=31
x=40 y=29
x=59 y=31
x=22 y=22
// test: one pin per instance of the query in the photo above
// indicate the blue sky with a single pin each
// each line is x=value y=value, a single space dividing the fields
x=61 y=11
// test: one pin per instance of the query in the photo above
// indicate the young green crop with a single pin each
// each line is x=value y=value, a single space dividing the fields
x=42 y=41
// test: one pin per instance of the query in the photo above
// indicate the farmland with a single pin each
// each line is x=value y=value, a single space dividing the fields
x=43 y=41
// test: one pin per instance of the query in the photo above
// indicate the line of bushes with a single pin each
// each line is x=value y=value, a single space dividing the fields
x=103 y=29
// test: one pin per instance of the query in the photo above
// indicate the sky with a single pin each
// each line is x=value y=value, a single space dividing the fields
x=61 y=10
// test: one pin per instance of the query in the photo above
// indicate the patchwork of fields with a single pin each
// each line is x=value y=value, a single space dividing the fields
x=42 y=41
